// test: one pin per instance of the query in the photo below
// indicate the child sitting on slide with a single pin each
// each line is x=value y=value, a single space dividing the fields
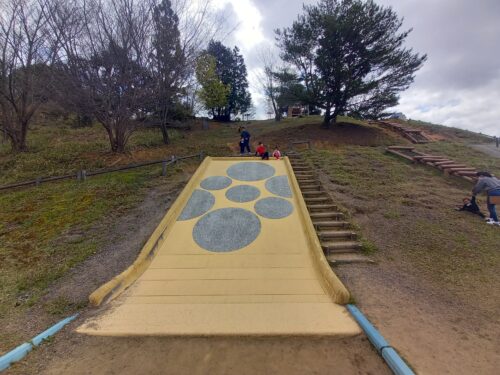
x=261 y=151
x=277 y=153
x=471 y=206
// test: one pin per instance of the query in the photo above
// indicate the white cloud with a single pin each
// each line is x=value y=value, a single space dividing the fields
x=473 y=109
x=458 y=86
x=249 y=31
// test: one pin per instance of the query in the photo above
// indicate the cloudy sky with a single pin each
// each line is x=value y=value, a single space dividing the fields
x=459 y=84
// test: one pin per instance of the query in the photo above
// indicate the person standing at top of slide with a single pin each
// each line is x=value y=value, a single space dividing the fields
x=492 y=187
x=245 y=135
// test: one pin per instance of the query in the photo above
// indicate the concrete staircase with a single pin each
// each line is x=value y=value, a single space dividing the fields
x=339 y=242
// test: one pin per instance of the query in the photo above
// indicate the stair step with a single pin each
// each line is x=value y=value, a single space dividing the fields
x=313 y=192
x=310 y=187
x=336 y=259
x=324 y=235
x=305 y=182
x=323 y=215
x=330 y=224
x=316 y=199
x=322 y=206
x=340 y=246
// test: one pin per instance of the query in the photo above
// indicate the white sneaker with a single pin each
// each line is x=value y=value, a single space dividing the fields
x=491 y=222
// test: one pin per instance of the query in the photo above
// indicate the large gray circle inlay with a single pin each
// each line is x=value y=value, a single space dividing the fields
x=200 y=202
x=279 y=185
x=226 y=229
x=242 y=193
x=273 y=208
x=250 y=171
x=216 y=182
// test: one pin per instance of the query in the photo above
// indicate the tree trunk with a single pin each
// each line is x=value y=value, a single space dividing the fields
x=163 y=127
x=164 y=133
x=327 y=118
x=17 y=140
x=277 y=112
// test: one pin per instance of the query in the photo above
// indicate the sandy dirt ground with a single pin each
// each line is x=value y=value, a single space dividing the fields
x=71 y=353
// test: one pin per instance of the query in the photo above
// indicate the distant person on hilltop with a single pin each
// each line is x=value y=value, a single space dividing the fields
x=245 y=135
x=491 y=185
x=262 y=152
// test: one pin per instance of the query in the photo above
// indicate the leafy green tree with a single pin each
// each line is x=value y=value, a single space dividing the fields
x=213 y=93
x=351 y=56
x=232 y=71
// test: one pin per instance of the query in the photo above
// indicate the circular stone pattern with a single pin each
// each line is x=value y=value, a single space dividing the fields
x=226 y=229
x=273 y=208
x=242 y=193
x=200 y=202
x=216 y=183
x=278 y=185
x=250 y=171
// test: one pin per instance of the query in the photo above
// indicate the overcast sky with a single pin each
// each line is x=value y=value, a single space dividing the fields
x=459 y=84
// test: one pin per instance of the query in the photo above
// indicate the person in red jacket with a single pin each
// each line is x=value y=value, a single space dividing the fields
x=261 y=151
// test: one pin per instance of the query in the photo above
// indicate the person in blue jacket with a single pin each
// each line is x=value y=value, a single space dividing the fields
x=245 y=136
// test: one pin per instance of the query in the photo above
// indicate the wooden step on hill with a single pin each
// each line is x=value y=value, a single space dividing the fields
x=448 y=166
x=414 y=135
x=339 y=242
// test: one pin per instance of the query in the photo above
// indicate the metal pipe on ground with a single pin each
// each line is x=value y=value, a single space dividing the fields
x=391 y=357
x=22 y=350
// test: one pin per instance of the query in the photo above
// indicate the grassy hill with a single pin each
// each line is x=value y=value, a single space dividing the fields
x=405 y=210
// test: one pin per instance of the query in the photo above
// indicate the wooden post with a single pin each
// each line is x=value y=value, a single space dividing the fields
x=38 y=181
x=202 y=155
x=497 y=140
x=174 y=160
x=164 y=168
x=84 y=174
x=204 y=123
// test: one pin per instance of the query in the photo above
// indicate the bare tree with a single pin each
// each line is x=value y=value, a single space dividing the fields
x=106 y=62
x=26 y=54
x=268 y=80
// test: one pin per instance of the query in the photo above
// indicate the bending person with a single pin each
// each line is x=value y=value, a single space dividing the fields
x=491 y=185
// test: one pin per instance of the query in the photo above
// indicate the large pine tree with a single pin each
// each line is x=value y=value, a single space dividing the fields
x=351 y=56
x=232 y=71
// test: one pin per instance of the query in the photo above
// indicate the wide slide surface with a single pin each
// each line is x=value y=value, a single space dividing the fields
x=238 y=256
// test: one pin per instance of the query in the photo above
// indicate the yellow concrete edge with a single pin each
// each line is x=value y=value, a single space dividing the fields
x=119 y=283
x=335 y=288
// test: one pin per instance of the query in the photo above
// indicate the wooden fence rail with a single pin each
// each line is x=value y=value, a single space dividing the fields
x=81 y=175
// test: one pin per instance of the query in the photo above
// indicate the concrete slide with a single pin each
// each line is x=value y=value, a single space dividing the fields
x=236 y=254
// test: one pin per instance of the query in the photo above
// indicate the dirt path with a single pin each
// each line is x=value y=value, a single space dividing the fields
x=489 y=149
x=71 y=353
